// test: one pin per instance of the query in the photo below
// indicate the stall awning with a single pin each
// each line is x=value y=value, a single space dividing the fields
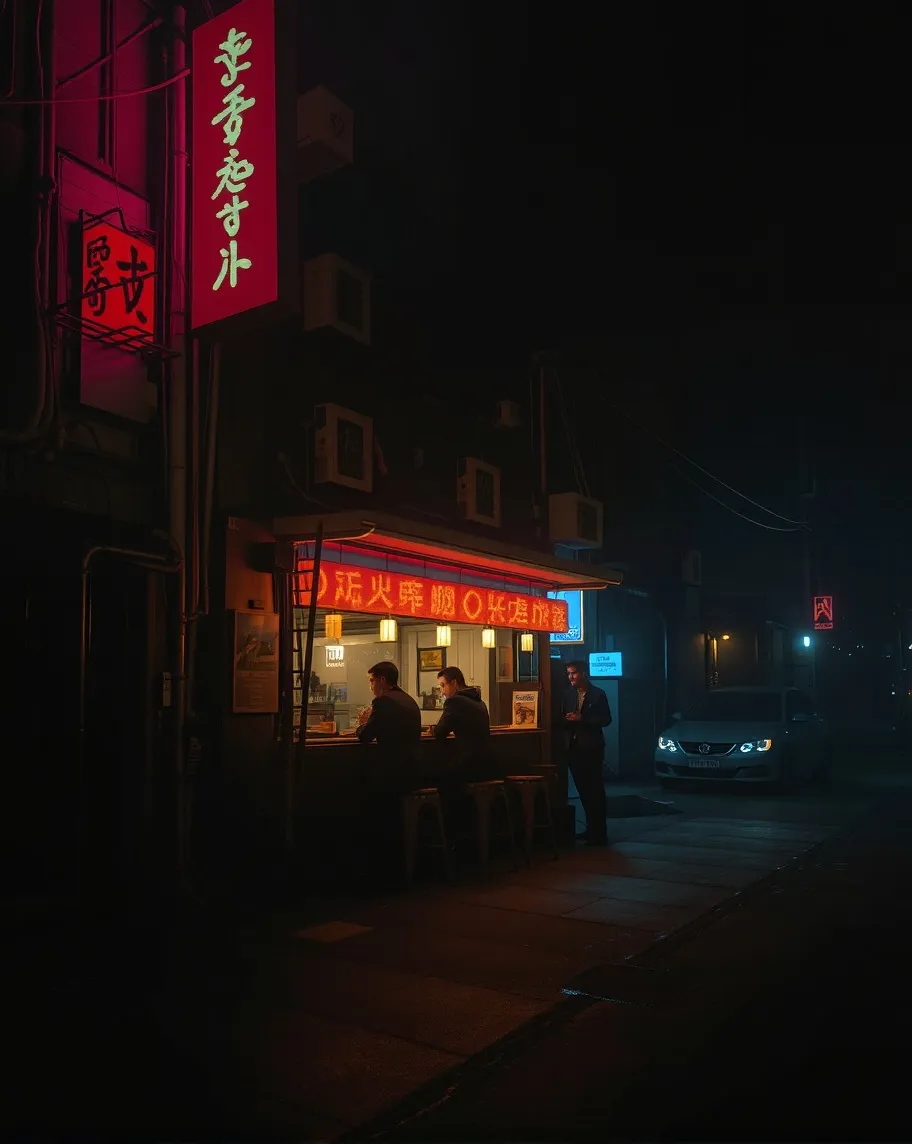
x=388 y=534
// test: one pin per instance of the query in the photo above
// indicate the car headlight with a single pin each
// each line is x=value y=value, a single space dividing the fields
x=667 y=744
x=758 y=745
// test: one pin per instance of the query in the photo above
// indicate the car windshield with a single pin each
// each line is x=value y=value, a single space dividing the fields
x=737 y=707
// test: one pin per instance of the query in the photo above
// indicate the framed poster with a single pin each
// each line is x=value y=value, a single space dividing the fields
x=255 y=666
x=431 y=659
x=525 y=709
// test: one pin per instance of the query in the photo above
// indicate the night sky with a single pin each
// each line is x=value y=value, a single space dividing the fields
x=702 y=212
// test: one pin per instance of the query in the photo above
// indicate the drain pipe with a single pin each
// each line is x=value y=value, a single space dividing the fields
x=42 y=414
x=153 y=562
x=176 y=194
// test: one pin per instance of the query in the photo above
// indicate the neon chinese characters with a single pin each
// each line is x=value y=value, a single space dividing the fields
x=350 y=588
x=118 y=287
x=234 y=232
x=233 y=176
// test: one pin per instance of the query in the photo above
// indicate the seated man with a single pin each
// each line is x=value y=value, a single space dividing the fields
x=393 y=722
x=465 y=716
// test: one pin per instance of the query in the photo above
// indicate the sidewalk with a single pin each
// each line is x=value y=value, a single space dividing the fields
x=336 y=1021
x=783 y=1020
x=307 y=1031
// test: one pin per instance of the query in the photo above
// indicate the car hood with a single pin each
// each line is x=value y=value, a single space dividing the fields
x=722 y=732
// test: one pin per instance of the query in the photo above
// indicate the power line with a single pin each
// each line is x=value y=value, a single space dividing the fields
x=713 y=477
x=575 y=456
x=750 y=520
x=96 y=98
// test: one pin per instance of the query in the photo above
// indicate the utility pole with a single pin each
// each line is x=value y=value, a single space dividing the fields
x=809 y=500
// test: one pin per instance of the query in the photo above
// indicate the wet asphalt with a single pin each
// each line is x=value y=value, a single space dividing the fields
x=786 y=1018
x=783 y=1016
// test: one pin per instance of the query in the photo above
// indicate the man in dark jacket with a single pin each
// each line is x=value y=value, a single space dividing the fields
x=465 y=716
x=394 y=724
x=585 y=712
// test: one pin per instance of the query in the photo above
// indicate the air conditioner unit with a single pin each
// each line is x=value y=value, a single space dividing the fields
x=575 y=520
x=343 y=448
x=692 y=568
x=337 y=295
x=325 y=134
x=478 y=491
x=509 y=415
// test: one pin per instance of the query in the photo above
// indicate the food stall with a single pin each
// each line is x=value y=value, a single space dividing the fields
x=424 y=598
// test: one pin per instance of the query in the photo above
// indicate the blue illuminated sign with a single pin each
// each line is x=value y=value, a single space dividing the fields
x=574 y=632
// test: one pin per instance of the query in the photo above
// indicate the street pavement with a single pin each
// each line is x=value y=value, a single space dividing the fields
x=784 y=1017
x=504 y=1007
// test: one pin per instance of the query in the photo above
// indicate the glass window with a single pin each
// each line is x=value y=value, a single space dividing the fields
x=338 y=689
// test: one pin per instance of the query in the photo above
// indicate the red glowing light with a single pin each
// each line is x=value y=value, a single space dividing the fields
x=234 y=199
x=118 y=282
x=823 y=613
x=348 y=588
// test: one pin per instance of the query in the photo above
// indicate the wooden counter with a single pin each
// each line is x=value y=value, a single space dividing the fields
x=338 y=767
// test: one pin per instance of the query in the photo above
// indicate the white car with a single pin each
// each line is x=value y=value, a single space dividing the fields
x=745 y=735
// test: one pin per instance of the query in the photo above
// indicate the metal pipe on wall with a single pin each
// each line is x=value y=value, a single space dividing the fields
x=212 y=414
x=177 y=411
x=194 y=583
x=44 y=405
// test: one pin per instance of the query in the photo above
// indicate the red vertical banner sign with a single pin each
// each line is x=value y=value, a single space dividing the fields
x=823 y=613
x=238 y=135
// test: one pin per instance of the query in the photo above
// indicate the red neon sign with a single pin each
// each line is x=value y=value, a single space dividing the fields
x=234 y=200
x=345 y=587
x=823 y=613
x=118 y=283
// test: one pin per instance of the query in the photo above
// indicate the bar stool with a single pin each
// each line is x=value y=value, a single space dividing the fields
x=532 y=789
x=413 y=805
x=486 y=797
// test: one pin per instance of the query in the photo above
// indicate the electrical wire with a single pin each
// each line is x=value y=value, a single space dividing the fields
x=712 y=476
x=750 y=520
x=578 y=468
x=142 y=30
x=96 y=98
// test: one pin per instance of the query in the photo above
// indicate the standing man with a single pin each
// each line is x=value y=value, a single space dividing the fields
x=465 y=716
x=585 y=712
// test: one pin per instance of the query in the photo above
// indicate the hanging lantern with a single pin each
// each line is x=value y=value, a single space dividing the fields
x=333 y=625
x=444 y=635
x=527 y=641
x=389 y=630
x=488 y=637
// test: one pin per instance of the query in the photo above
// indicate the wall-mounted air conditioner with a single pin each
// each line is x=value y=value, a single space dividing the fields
x=692 y=568
x=337 y=295
x=574 y=520
x=325 y=134
x=478 y=491
x=343 y=448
